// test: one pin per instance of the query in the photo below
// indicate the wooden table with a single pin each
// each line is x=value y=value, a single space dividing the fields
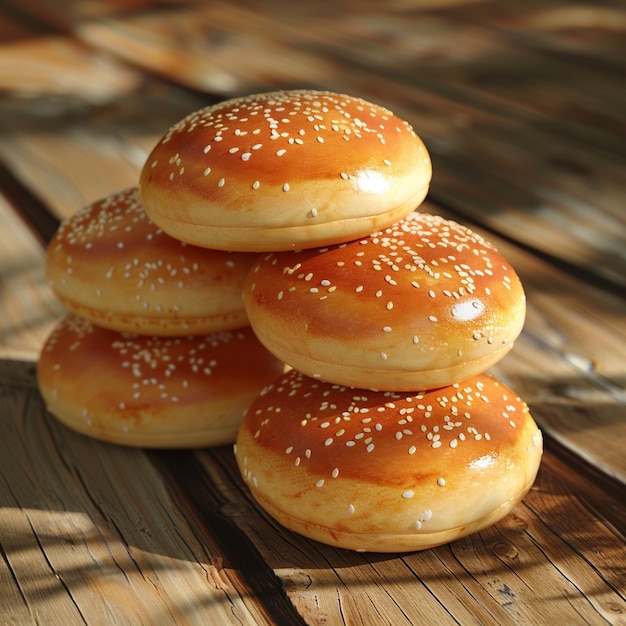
x=522 y=107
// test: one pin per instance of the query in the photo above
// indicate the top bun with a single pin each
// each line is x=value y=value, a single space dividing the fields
x=283 y=170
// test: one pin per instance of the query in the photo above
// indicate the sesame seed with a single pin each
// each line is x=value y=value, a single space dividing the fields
x=441 y=482
x=409 y=493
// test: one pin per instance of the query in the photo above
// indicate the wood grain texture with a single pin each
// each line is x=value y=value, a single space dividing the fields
x=521 y=107
x=91 y=533
x=183 y=535
x=28 y=308
x=510 y=143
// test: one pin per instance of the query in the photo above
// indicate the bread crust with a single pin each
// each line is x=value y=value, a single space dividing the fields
x=164 y=392
x=110 y=264
x=388 y=471
x=421 y=304
x=284 y=170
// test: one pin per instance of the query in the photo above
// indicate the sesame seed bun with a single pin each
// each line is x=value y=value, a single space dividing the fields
x=111 y=264
x=387 y=471
x=283 y=170
x=164 y=392
x=422 y=304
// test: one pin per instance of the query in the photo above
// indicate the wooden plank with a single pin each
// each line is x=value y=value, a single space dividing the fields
x=83 y=543
x=82 y=152
x=28 y=308
x=190 y=48
x=467 y=61
x=54 y=65
x=508 y=145
x=63 y=14
x=168 y=544
x=502 y=575
x=588 y=32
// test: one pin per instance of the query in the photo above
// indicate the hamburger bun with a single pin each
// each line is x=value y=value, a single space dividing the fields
x=422 y=304
x=387 y=471
x=283 y=170
x=160 y=392
x=110 y=264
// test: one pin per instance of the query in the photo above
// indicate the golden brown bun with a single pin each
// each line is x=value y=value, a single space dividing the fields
x=422 y=304
x=283 y=170
x=165 y=392
x=385 y=471
x=110 y=264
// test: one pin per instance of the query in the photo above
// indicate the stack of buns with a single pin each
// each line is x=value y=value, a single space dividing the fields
x=156 y=349
x=382 y=432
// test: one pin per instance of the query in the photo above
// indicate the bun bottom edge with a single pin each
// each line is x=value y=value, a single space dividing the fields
x=163 y=326
x=391 y=542
x=268 y=238
x=161 y=439
x=387 y=379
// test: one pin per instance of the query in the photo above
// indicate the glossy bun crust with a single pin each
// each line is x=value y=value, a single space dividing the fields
x=110 y=264
x=422 y=304
x=283 y=170
x=152 y=391
x=385 y=471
